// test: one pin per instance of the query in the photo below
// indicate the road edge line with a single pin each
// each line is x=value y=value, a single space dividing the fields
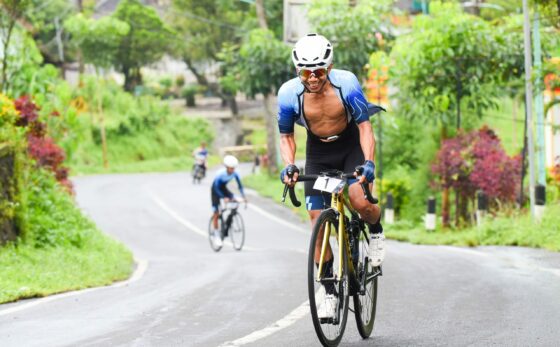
x=292 y=317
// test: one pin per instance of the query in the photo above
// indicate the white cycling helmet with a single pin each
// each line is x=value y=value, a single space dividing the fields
x=231 y=161
x=312 y=51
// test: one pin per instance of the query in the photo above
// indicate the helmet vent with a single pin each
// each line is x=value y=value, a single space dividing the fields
x=327 y=53
x=295 y=55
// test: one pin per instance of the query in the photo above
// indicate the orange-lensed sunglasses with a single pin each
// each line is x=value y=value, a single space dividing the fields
x=307 y=73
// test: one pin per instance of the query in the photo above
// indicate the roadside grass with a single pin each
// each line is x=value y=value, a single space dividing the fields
x=271 y=187
x=27 y=272
x=504 y=230
x=166 y=164
x=166 y=147
x=59 y=248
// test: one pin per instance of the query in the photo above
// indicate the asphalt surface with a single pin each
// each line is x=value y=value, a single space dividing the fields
x=184 y=294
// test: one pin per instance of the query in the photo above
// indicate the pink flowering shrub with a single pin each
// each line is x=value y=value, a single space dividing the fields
x=40 y=146
x=477 y=161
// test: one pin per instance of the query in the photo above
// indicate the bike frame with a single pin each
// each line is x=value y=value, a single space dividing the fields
x=226 y=222
x=338 y=202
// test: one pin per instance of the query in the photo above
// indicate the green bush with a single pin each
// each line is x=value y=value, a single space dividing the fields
x=189 y=93
x=399 y=185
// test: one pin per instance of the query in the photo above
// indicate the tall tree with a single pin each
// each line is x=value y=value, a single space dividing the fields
x=11 y=12
x=451 y=62
x=352 y=29
x=203 y=28
x=46 y=20
x=264 y=64
x=132 y=37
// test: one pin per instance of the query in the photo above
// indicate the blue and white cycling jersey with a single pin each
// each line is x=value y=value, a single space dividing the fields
x=290 y=99
x=221 y=180
x=203 y=153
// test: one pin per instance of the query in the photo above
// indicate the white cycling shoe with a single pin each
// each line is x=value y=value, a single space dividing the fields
x=376 y=250
x=328 y=307
x=218 y=239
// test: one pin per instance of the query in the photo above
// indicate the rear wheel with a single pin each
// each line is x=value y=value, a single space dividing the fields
x=329 y=330
x=237 y=231
x=197 y=174
x=365 y=298
x=211 y=236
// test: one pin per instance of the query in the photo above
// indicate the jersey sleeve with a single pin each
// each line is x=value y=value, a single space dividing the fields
x=356 y=99
x=238 y=179
x=287 y=114
x=216 y=188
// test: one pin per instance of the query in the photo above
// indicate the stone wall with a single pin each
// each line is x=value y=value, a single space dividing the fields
x=8 y=229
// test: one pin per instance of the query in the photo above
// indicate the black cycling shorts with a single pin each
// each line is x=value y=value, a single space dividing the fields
x=345 y=153
x=216 y=198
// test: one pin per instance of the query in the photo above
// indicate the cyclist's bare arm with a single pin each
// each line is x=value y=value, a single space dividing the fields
x=367 y=142
x=288 y=152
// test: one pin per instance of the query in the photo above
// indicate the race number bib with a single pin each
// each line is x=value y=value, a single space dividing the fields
x=329 y=184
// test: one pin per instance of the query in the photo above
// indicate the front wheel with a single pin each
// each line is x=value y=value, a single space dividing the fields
x=328 y=291
x=237 y=231
x=365 y=298
x=197 y=176
x=212 y=237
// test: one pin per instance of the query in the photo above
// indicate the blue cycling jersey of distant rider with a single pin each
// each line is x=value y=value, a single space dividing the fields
x=220 y=182
x=349 y=91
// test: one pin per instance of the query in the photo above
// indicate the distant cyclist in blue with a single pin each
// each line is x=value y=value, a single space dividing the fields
x=220 y=191
x=200 y=157
x=331 y=105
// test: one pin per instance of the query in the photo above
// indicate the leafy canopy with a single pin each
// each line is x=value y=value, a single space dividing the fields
x=352 y=30
x=451 y=56
x=264 y=63
x=132 y=37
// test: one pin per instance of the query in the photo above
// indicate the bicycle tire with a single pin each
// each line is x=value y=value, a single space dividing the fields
x=365 y=305
x=237 y=231
x=329 y=333
x=214 y=247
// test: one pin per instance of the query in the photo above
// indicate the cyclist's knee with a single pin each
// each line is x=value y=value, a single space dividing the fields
x=313 y=215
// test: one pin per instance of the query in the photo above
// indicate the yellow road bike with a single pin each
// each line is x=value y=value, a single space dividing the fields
x=348 y=237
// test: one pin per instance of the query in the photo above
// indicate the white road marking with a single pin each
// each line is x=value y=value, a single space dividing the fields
x=300 y=312
x=278 y=220
x=138 y=273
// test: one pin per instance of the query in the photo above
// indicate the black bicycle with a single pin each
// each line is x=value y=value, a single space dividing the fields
x=198 y=173
x=352 y=274
x=230 y=223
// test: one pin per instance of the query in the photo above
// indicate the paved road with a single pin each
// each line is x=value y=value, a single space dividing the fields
x=190 y=296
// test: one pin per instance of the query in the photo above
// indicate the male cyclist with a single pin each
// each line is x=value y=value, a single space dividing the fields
x=219 y=191
x=331 y=105
x=200 y=157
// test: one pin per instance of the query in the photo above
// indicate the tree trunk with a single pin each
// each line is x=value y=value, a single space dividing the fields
x=233 y=106
x=214 y=88
x=270 y=120
x=5 y=84
x=261 y=15
x=126 y=72
x=79 y=55
x=445 y=194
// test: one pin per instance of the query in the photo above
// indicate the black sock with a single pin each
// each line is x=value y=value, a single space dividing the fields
x=328 y=273
x=376 y=228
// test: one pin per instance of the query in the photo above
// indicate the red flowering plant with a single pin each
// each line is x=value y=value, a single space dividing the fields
x=495 y=173
x=39 y=145
x=476 y=161
x=555 y=174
